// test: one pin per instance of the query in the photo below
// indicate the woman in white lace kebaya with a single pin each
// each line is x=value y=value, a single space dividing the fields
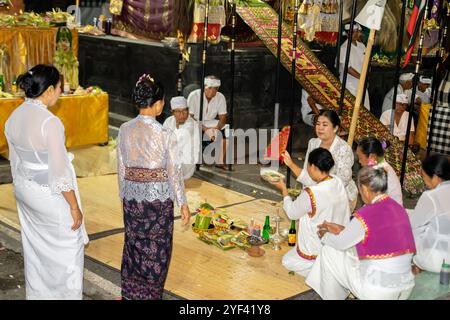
x=45 y=187
x=150 y=179
x=327 y=126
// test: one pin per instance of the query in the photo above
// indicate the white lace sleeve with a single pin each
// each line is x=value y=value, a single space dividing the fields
x=174 y=170
x=120 y=165
x=344 y=162
x=60 y=177
x=13 y=159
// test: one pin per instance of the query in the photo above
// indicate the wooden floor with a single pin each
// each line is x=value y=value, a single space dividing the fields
x=197 y=270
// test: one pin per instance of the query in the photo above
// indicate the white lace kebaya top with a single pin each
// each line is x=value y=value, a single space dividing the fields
x=144 y=143
x=37 y=149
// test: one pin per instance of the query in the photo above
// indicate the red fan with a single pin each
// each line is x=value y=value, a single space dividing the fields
x=282 y=140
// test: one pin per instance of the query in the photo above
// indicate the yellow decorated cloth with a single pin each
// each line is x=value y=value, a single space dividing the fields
x=85 y=119
x=25 y=47
x=422 y=126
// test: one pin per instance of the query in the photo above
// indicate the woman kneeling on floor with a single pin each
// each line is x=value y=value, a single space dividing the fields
x=326 y=200
x=430 y=219
x=382 y=235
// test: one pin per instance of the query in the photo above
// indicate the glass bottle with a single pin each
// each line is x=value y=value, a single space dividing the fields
x=292 y=237
x=266 y=229
x=444 y=277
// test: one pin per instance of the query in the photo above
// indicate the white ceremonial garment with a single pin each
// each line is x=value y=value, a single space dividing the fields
x=400 y=128
x=389 y=97
x=343 y=158
x=394 y=190
x=356 y=61
x=216 y=107
x=322 y=202
x=307 y=115
x=424 y=96
x=41 y=170
x=188 y=143
x=338 y=271
x=430 y=221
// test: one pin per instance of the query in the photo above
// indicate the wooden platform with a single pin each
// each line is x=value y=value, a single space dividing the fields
x=197 y=270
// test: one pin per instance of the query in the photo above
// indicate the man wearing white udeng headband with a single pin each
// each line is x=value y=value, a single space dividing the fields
x=214 y=114
x=188 y=135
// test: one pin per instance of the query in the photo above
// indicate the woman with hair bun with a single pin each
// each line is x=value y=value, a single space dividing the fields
x=371 y=256
x=325 y=200
x=370 y=152
x=45 y=187
x=430 y=219
x=326 y=127
x=150 y=179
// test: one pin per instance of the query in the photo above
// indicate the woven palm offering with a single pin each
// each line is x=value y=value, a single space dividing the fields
x=203 y=217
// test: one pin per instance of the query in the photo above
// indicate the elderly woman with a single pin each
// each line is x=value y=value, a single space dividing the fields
x=371 y=256
x=430 y=219
x=327 y=126
x=150 y=179
x=46 y=191
x=370 y=152
x=400 y=119
x=319 y=202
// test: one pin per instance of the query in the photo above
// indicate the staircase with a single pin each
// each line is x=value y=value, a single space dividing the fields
x=321 y=84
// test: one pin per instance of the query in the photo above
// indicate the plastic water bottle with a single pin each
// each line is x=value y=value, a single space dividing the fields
x=445 y=274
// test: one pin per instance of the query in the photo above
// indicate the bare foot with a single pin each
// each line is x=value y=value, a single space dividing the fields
x=415 y=270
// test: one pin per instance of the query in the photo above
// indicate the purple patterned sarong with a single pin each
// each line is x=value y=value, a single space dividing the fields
x=147 y=249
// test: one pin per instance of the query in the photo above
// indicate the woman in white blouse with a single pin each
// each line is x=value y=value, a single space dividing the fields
x=370 y=152
x=430 y=219
x=327 y=126
x=45 y=186
x=150 y=180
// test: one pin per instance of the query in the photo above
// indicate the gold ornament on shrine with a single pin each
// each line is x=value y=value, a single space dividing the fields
x=115 y=7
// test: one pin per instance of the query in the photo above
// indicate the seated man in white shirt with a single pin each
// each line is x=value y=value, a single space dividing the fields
x=188 y=135
x=400 y=118
x=404 y=86
x=423 y=91
x=310 y=109
x=214 y=106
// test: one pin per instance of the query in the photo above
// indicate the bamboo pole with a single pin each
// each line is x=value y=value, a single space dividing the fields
x=413 y=96
x=293 y=82
x=360 y=91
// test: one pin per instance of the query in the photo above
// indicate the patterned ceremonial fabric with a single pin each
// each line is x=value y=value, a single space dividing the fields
x=440 y=139
x=151 y=18
x=147 y=248
x=320 y=83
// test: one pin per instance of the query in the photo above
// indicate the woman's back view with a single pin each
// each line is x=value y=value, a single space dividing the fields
x=45 y=188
